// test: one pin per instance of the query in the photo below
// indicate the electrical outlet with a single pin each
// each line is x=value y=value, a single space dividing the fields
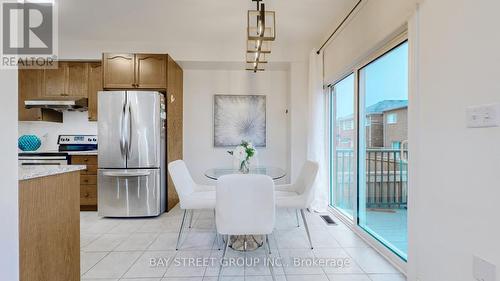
x=483 y=270
x=482 y=116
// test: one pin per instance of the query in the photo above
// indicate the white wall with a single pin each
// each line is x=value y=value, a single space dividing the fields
x=457 y=169
x=299 y=108
x=73 y=123
x=9 y=235
x=199 y=89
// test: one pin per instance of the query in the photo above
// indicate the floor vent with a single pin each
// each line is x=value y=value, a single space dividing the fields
x=328 y=220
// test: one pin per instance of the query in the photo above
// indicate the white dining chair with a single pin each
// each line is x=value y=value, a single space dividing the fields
x=192 y=196
x=245 y=206
x=300 y=194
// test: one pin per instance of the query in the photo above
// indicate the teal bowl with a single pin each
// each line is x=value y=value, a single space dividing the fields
x=29 y=143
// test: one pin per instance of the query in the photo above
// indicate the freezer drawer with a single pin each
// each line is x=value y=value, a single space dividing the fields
x=129 y=193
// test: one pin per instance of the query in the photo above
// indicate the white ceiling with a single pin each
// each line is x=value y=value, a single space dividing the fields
x=191 y=30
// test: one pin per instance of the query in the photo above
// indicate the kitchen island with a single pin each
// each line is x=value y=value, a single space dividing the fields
x=49 y=222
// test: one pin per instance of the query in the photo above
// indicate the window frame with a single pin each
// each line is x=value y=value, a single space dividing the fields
x=353 y=224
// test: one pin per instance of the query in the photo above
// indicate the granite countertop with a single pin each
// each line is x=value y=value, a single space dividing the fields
x=38 y=171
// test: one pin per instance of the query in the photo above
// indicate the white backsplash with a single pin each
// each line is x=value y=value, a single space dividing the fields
x=73 y=123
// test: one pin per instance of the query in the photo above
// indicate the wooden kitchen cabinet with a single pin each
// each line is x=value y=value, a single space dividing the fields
x=77 y=79
x=88 y=181
x=49 y=228
x=150 y=71
x=95 y=85
x=118 y=71
x=30 y=86
x=88 y=197
x=134 y=71
x=54 y=81
x=80 y=79
x=68 y=79
x=174 y=102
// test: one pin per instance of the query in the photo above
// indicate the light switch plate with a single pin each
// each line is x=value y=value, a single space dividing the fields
x=483 y=116
x=483 y=270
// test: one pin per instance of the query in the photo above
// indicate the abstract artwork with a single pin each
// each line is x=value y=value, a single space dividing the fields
x=239 y=117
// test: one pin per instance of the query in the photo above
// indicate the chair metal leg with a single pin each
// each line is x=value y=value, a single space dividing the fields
x=306 y=227
x=180 y=230
x=268 y=252
x=267 y=241
x=219 y=239
x=297 y=217
x=191 y=218
x=223 y=256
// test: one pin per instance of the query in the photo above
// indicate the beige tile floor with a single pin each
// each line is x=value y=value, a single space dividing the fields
x=123 y=249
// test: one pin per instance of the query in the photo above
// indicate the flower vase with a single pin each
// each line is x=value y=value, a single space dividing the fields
x=245 y=167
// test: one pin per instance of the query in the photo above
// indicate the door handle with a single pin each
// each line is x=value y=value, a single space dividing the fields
x=122 y=130
x=129 y=137
x=127 y=174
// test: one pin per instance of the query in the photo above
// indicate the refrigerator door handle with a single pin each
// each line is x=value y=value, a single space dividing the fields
x=123 y=141
x=127 y=174
x=129 y=137
x=127 y=132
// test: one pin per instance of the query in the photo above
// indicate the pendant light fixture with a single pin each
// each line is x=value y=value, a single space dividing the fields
x=261 y=30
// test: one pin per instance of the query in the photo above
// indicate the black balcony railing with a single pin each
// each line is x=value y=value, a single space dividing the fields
x=386 y=181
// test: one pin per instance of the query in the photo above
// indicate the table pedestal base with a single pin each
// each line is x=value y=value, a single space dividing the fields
x=246 y=242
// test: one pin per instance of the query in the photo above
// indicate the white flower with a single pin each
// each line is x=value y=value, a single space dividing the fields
x=240 y=153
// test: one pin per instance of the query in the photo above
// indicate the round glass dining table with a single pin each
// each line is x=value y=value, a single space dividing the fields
x=246 y=242
x=273 y=172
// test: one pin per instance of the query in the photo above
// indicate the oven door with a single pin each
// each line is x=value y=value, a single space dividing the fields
x=129 y=192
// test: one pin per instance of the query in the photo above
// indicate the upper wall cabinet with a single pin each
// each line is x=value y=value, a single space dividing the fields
x=150 y=71
x=75 y=78
x=68 y=79
x=77 y=81
x=29 y=87
x=54 y=81
x=135 y=71
x=119 y=71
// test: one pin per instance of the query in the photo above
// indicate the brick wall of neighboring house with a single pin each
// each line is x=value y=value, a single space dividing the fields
x=374 y=131
x=378 y=132
x=344 y=138
x=396 y=132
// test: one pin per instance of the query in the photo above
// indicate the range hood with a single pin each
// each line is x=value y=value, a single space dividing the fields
x=58 y=103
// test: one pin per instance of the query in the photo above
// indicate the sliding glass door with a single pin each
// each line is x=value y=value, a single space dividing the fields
x=383 y=111
x=368 y=112
x=342 y=139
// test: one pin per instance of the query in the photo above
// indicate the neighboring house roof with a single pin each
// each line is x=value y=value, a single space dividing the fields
x=380 y=107
x=386 y=105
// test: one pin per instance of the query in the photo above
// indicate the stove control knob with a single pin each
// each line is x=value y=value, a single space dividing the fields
x=89 y=139
x=94 y=139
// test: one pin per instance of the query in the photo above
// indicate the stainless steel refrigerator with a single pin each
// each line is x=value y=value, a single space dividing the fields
x=131 y=154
